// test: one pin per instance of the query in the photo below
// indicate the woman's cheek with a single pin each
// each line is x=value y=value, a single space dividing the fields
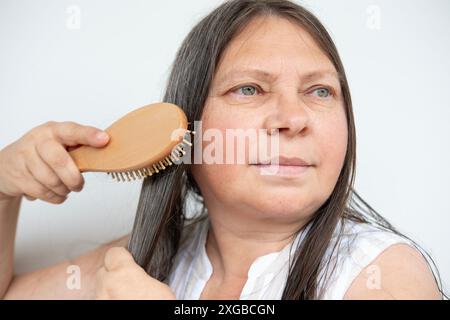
x=332 y=155
x=219 y=181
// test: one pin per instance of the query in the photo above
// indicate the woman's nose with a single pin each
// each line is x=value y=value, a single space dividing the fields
x=288 y=114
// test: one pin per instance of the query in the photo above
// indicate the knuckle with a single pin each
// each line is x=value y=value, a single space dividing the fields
x=57 y=199
x=34 y=133
x=40 y=192
x=49 y=124
x=59 y=160
x=62 y=190
x=53 y=182
x=41 y=130
x=75 y=182
x=46 y=194
x=70 y=128
x=46 y=127
x=116 y=252
x=69 y=123
x=111 y=257
x=54 y=198
x=90 y=131
x=110 y=253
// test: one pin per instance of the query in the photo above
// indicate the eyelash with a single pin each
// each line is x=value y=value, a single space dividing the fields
x=330 y=90
x=258 y=88
x=247 y=85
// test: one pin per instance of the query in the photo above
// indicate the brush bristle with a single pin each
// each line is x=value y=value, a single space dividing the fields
x=155 y=168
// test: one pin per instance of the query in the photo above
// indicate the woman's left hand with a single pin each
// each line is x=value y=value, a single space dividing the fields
x=122 y=278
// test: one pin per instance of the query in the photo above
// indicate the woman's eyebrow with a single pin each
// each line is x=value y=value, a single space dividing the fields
x=319 y=74
x=265 y=75
x=255 y=73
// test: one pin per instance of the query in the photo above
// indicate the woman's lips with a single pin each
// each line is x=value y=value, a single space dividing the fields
x=283 y=166
x=281 y=170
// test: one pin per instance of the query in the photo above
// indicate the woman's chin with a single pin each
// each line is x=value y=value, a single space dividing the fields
x=291 y=206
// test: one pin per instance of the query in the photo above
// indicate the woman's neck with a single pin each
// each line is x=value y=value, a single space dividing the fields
x=232 y=245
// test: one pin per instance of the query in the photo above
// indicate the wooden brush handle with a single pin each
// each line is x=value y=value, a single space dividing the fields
x=141 y=138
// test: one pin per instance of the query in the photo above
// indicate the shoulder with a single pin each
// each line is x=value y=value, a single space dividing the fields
x=371 y=262
x=398 y=272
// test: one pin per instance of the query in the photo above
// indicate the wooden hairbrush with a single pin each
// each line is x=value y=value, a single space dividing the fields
x=142 y=143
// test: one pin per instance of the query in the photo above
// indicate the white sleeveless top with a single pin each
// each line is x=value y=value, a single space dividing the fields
x=360 y=244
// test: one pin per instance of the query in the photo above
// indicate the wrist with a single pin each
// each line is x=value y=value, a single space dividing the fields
x=6 y=198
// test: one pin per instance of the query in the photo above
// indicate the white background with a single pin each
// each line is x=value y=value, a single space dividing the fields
x=396 y=59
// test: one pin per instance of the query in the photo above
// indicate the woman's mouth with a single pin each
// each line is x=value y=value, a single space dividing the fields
x=283 y=166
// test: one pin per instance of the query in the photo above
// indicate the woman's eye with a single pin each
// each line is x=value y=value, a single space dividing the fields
x=247 y=90
x=322 y=92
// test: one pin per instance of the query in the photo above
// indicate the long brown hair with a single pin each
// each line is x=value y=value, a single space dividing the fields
x=161 y=212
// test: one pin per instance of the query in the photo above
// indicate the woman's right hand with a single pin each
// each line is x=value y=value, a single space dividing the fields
x=38 y=165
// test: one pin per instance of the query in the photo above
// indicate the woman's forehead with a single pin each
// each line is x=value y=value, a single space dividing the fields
x=269 y=36
x=270 y=70
x=270 y=51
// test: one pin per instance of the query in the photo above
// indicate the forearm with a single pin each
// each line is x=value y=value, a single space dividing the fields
x=51 y=282
x=9 y=213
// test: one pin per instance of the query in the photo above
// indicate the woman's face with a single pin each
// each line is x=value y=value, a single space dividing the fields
x=298 y=94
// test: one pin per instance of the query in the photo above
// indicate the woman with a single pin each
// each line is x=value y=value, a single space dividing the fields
x=300 y=233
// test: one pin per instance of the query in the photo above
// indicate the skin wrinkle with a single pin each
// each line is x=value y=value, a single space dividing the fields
x=308 y=128
x=241 y=203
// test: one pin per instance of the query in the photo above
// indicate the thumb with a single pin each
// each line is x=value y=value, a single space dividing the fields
x=117 y=257
x=72 y=134
x=100 y=139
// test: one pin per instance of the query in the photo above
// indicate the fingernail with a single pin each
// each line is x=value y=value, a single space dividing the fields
x=102 y=136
